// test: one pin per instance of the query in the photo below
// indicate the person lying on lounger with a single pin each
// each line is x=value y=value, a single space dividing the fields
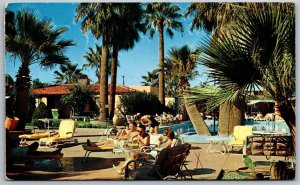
x=142 y=139
x=124 y=132
x=14 y=152
x=112 y=143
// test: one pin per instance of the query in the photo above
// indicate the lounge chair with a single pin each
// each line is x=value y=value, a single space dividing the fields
x=35 y=136
x=91 y=149
x=65 y=134
x=239 y=136
x=169 y=163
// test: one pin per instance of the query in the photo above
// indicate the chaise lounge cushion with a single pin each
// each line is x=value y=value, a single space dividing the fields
x=96 y=148
x=269 y=145
x=37 y=135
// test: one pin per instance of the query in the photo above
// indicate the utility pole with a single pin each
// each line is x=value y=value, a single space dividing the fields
x=123 y=80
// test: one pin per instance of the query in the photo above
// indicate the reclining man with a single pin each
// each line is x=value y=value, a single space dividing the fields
x=125 y=136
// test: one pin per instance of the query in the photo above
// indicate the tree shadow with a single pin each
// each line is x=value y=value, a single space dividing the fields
x=48 y=169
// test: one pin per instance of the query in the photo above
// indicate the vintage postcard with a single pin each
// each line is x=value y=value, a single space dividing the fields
x=150 y=91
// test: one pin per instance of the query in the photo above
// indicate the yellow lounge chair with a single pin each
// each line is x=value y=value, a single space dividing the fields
x=65 y=134
x=25 y=137
x=239 y=136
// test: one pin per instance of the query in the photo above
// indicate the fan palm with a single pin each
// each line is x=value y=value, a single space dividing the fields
x=182 y=63
x=158 y=16
x=262 y=42
x=93 y=57
x=97 y=18
x=218 y=18
x=33 y=41
x=68 y=75
x=212 y=17
x=151 y=79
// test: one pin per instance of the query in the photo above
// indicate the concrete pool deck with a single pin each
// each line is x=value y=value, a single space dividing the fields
x=99 y=165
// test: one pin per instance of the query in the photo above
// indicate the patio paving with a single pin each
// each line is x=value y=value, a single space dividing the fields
x=99 y=164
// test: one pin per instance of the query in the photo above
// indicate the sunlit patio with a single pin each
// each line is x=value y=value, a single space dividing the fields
x=202 y=164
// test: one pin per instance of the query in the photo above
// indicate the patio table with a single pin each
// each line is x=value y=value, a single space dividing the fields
x=47 y=121
x=217 y=141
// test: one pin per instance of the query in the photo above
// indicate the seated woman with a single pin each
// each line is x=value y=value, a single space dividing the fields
x=142 y=139
x=125 y=134
x=168 y=141
x=151 y=121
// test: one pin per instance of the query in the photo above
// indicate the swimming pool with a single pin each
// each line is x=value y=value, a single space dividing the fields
x=187 y=127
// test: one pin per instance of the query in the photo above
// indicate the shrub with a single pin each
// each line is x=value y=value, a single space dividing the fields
x=144 y=103
x=78 y=98
x=40 y=112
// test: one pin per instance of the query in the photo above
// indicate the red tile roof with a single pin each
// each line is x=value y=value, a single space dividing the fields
x=64 y=89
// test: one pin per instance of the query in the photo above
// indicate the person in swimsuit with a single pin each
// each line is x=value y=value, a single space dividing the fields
x=142 y=139
x=121 y=137
x=148 y=120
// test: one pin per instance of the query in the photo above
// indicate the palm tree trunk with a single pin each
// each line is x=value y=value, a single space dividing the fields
x=113 y=82
x=161 y=80
x=231 y=115
x=199 y=125
x=22 y=95
x=103 y=81
x=183 y=86
x=288 y=114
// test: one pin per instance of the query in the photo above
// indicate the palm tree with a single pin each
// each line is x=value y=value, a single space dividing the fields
x=217 y=18
x=68 y=75
x=97 y=18
x=151 y=79
x=158 y=16
x=213 y=17
x=33 y=41
x=127 y=21
x=182 y=62
x=263 y=43
x=93 y=57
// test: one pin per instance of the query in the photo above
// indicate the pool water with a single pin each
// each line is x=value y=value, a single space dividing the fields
x=187 y=127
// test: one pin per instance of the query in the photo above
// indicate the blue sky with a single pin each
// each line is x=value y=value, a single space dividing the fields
x=133 y=63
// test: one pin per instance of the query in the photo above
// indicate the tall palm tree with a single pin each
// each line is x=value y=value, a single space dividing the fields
x=263 y=43
x=182 y=62
x=93 y=57
x=213 y=17
x=97 y=18
x=158 y=16
x=127 y=20
x=33 y=41
x=69 y=74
